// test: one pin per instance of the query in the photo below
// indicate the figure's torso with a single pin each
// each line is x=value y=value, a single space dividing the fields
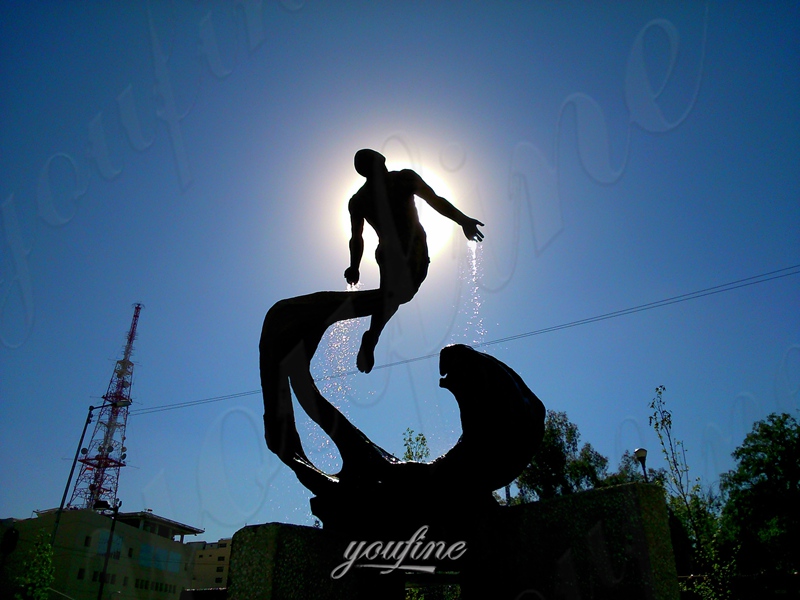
x=390 y=211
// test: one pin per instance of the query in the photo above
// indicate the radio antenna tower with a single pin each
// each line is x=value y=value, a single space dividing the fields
x=105 y=456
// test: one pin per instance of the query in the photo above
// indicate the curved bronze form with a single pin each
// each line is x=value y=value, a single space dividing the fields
x=502 y=422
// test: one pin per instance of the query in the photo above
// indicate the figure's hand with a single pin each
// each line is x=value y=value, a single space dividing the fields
x=352 y=275
x=471 y=230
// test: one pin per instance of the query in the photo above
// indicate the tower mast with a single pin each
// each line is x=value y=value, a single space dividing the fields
x=105 y=455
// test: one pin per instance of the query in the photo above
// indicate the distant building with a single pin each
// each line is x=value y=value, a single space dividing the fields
x=211 y=563
x=148 y=558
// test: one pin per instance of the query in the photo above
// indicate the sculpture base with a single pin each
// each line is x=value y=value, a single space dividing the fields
x=396 y=513
x=607 y=543
x=276 y=561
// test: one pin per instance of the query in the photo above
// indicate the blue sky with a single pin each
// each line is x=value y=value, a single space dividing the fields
x=197 y=158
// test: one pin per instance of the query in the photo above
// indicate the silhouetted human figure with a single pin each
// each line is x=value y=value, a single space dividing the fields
x=386 y=202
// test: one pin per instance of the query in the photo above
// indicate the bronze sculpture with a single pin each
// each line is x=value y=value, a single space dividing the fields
x=502 y=419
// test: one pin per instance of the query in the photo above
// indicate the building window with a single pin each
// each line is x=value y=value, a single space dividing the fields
x=218 y=580
x=220 y=558
x=125 y=581
x=130 y=552
x=95 y=575
x=87 y=541
x=81 y=573
x=113 y=578
x=220 y=569
x=223 y=545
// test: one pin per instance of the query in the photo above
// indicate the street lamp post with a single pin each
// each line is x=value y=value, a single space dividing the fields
x=102 y=504
x=641 y=455
x=71 y=473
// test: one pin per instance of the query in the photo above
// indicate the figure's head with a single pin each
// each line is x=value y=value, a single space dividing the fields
x=368 y=162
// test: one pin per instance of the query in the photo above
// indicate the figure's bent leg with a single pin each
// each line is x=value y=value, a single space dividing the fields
x=366 y=353
x=399 y=284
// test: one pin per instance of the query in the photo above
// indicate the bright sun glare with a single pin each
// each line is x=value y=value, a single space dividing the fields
x=439 y=229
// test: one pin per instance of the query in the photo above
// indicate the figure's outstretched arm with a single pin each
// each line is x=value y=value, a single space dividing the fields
x=351 y=274
x=445 y=208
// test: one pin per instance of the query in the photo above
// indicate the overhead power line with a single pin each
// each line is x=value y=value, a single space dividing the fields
x=717 y=289
x=144 y=411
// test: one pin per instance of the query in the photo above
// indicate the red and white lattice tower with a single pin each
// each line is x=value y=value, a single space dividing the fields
x=105 y=455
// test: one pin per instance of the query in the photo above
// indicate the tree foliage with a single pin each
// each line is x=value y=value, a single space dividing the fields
x=696 y=512
x=686 y=492
x=561 y=466
x=37 y=572
x=416 y=446
x=763 y=496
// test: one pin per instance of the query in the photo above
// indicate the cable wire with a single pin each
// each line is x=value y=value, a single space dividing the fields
x=717 y=289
